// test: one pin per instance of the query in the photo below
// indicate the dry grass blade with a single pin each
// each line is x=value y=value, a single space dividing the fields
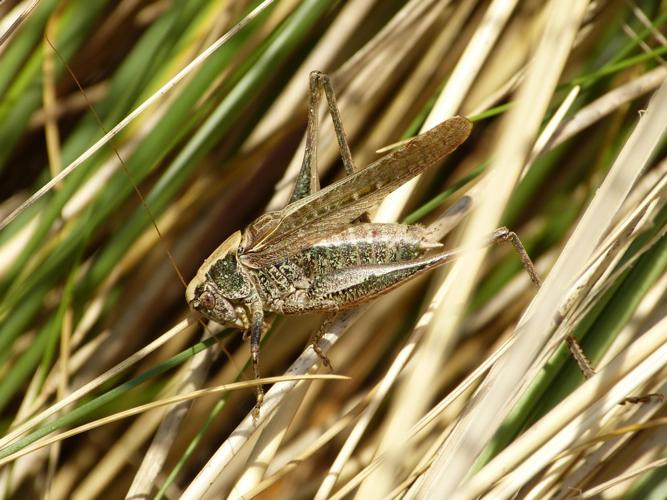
x=347 y=22
x=484 y=417
x=452 y=95
x=600 y=108
x=24 y=427
x=193 y=377
x=593 y=492
x=267 y=444
x=520 y=130
x=364 y=420
x=629 y=165
x=272 y=400
x=91 y=312
x=157 y=404
x=19 y=19
x=579 y=411
x=165 y=89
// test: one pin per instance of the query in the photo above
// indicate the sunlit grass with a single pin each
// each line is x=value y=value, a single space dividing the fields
x=91 y=304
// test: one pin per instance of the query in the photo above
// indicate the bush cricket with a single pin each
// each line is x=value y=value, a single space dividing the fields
x=320 y=253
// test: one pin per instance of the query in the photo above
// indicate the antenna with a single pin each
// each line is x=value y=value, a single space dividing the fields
x=124 y=167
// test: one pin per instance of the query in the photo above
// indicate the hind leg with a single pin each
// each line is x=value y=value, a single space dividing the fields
x=307 y=181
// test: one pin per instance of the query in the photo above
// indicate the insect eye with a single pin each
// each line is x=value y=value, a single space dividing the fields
x=207 y=300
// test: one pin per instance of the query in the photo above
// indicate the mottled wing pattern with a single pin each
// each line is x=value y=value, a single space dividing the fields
x=342 y=202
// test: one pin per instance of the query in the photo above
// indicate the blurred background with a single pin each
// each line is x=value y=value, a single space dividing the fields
x=86 y=279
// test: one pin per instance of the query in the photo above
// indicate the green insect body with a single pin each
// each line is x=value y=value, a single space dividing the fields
x=308 y=258
x=319 y=254
x=336 y=271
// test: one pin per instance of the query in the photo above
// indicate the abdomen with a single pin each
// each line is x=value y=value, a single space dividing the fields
x=321 y=277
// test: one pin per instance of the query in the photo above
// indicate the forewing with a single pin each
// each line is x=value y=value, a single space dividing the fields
x=295 y=242
x=347 y=199
x=348 y=244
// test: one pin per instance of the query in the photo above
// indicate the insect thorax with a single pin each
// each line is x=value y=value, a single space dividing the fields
x=225 y=274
